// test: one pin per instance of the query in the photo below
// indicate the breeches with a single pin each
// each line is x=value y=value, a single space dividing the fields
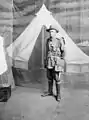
x=53 y=75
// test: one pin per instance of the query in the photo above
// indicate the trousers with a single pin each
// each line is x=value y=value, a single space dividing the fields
x=53 y=75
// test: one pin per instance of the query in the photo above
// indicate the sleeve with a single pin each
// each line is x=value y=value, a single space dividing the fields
x=62 y=48
x=62 y=43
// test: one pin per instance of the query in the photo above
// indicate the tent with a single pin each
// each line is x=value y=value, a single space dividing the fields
x=6 y=77
x=27 y=51
x=3 y=64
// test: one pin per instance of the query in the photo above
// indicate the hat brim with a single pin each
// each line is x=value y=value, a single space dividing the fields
x=48 y=30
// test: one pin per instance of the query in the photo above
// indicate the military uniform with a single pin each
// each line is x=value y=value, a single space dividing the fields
x=54 y=63
x=54 y=55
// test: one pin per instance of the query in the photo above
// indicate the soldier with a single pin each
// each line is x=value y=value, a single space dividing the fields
x=54 y=61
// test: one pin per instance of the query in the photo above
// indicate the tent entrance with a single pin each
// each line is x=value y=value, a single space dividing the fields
x=33 y=71
x=36 y=60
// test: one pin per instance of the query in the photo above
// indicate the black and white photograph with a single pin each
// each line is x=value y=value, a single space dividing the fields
x=44 y=59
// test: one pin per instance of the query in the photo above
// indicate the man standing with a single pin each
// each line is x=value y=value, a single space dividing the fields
x=54 y=61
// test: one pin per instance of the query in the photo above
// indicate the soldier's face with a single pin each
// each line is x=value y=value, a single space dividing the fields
x=52 y=33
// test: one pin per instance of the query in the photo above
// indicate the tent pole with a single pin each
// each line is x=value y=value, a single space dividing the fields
x=43 y=47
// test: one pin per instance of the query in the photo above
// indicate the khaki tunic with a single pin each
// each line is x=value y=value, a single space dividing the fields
x=54 y=55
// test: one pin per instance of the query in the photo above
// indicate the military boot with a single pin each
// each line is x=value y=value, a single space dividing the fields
x=50 y=89
x=58 y=97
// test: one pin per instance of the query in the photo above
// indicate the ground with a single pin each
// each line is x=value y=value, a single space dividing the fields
x=27 y=104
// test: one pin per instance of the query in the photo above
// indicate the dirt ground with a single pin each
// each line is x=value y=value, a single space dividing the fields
x=27 y=104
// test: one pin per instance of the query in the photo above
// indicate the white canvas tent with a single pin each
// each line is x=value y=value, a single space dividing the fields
x=6 y=77
x=22 y=48
x=3 y=64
